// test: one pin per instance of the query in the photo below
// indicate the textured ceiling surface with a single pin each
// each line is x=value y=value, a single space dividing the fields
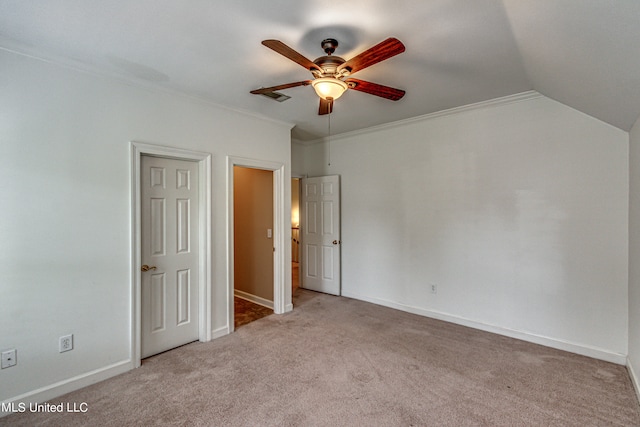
x=583 y=53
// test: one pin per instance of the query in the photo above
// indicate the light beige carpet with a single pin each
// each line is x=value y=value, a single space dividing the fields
x=340 y=362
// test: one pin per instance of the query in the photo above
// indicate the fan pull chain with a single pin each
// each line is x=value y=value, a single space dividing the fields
x=329 y=136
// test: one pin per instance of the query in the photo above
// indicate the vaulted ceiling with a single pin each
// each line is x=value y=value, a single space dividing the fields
x=583 y=53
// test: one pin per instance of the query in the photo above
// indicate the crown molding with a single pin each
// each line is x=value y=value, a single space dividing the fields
x=120 y=79
x=509 y=99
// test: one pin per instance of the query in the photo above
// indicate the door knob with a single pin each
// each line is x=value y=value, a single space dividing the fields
x=147 y=268
x=335 y=242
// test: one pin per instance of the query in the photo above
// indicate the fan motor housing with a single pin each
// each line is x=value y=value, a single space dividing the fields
x=329 y=64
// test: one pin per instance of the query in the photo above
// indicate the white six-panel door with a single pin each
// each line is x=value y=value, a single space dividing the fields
x=169 y=252
x=321 y=234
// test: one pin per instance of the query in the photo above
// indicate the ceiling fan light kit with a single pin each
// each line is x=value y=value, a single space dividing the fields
x=330 y=72
x=329 y=88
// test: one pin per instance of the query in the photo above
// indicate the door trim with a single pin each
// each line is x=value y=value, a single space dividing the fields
x=301 y=226
x=138 y=149
x=281 y=292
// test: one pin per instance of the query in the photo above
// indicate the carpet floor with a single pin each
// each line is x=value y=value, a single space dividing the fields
x=336 y=361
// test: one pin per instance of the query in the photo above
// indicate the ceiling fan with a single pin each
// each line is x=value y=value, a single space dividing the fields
x=331 y=73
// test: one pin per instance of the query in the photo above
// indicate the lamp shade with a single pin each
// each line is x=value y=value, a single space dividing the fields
x=329 y=87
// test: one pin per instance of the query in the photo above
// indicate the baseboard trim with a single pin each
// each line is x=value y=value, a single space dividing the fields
x=584 y=350
x=75 y=383
x=253 y=298
x=220 y=332
x=288 y=308
x=634 y=378
x=67 y=386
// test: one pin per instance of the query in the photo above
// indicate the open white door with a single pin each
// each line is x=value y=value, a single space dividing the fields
x=321 y=234
x=169 y=254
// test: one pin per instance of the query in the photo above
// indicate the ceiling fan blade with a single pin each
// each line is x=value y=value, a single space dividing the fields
x=286 y=51
x=383 y=50
x=326 y=107
x=375 y=89
x=280 y=87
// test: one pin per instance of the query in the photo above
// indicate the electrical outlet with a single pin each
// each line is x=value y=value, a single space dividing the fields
x=434 y=288
x=9 y=358
x=66 y=343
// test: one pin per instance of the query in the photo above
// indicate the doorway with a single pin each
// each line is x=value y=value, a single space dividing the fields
x=281 y=277
x=169 y=253
x=321 y=254
x=202 y=241
x=253 y=244
x=295 y=235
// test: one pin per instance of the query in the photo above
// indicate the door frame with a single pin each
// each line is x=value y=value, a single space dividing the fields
x=282 y=253
x=204 y=160
x=300 y=226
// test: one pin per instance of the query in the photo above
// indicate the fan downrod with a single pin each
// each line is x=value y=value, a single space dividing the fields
x=329 y=45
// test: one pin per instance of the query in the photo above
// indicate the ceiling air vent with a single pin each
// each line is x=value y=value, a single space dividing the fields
x=280 y=97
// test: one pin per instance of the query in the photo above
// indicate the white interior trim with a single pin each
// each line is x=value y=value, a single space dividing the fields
x=634 y=378
x=289 y=306
x=280 y=293
x=253 y=298
x=496 y=102
x=138 y=149
x=220 y=332
x=584 y=350
x=39 y=55
x=68 y=385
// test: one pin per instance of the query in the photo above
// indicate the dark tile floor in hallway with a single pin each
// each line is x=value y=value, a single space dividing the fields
x=246 y=312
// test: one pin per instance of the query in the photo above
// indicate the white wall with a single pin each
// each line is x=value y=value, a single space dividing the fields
x=517 y=211
x=297 y=159
x=634 y=255
x=65 y=260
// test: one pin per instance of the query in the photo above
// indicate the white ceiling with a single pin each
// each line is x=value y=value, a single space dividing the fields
x=583 y=53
